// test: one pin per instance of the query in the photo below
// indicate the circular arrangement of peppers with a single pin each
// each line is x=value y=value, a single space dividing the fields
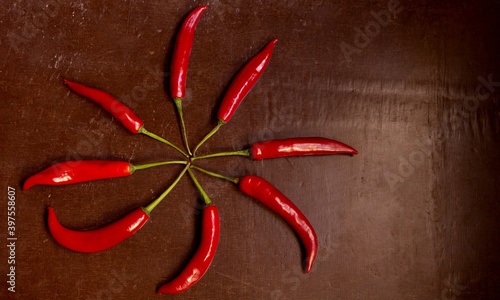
x=70 y=172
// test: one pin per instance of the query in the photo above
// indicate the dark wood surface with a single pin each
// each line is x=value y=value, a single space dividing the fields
x=414 y=216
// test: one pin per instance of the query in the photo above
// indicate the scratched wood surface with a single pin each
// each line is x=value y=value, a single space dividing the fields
x=414 y=86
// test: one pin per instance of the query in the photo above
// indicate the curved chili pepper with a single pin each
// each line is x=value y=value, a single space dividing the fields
x=298 y=147
x=261 y=190
x=182 y=52
x=98 y=239
x=203 y=257
x=244 y=82
x=109 y=235
x=79 y=171
x=119 y=110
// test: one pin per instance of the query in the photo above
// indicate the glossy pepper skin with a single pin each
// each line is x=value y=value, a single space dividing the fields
x=261 y=190
x=182 y=53
x=79 y=171
x=199 y=263
x=99 y=239
x=244 y=82
x=119 y=110
x=298 y=147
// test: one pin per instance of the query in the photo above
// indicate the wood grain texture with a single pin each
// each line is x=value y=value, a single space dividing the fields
x=413 y=216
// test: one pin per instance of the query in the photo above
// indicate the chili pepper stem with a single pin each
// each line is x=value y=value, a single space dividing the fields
x=204 y=195
x=209 y=135
x=156 y=164
x=178 y=105
x=157 y=201
x=159 y=138
x=216 y=175
x=245 y=152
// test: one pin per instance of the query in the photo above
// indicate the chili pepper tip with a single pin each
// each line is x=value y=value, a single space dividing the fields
x=68 y=82
x=27 y=185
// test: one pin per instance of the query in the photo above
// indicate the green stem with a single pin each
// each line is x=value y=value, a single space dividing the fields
x=157 y=201
x=207 y=199
x=158 y=138
x=156 y=164
x=212 y=132
x=216 y=175
x=178 y=105
x=245 y=152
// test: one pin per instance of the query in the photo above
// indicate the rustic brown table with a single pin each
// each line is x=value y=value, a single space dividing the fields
x=414 y=86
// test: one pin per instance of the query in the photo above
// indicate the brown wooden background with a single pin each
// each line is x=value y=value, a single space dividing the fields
x=413 y=216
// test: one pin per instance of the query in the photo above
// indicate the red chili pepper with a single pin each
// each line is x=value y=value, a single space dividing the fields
x=79 y=171
x=243 y=82
x=203 y=257
x=112 y=234
x=182 y=52
x=98 y=239
x=289 y=147
x=298 y=147
x=261 y=190
x=119 y=110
